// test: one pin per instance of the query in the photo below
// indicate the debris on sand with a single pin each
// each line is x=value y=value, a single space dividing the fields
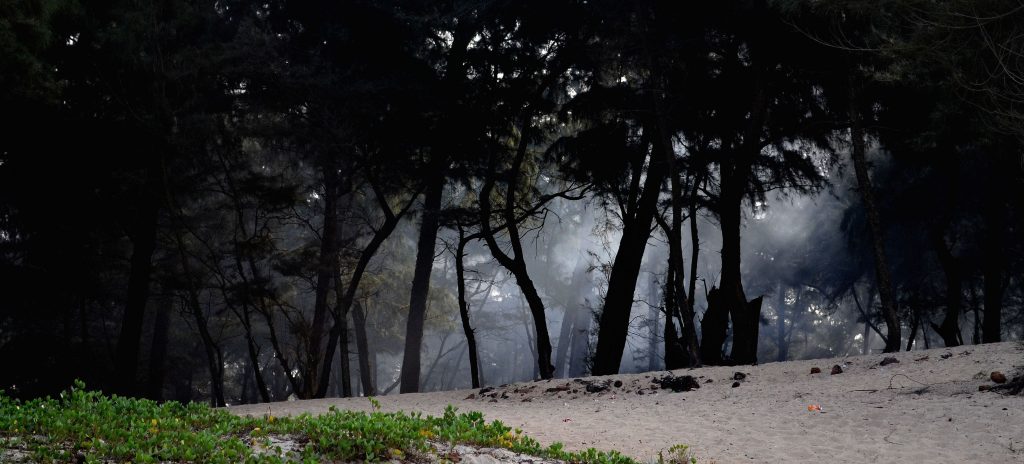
x=998 y=377
x=815 y=370
x=889 y=360
x=678 y=384
x=739 y=376
x=837 y=369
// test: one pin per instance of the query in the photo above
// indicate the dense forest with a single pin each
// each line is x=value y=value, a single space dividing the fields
x=234 y=202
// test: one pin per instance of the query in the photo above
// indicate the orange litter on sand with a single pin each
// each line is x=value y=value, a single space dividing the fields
x=814 y=407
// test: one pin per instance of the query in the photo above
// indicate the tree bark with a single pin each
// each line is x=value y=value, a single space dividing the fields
x=410 y=379
x=882 y=275
x=366 y=369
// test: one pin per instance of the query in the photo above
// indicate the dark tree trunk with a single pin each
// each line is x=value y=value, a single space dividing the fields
x=345 y=301
x=516 y=264
x=363 y=348
x=158 y=350
x=326 y=265
x=745 y=316
x=675 y=355
x=949 y=330
x=618 y=303
x=867 y=195
x=460 y=278
x=913 y=328
x=992 y=272
x=410 y=380
x=213 y=356
x=143 y=245
x=713 y=327
x=342 y=329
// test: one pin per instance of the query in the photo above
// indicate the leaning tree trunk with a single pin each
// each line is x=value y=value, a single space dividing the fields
x=882 y=275
x=516 y=264
x=618 y=302
x=410 y=379
x=460 y=278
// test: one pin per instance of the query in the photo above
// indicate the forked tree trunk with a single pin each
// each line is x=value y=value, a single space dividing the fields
x=618 y=303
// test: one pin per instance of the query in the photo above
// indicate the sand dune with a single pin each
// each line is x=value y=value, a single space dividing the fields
x=925 y=408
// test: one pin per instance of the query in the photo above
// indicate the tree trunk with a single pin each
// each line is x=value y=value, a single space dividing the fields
x=345 y=301
x=342 y=329
x=516 y=264
x=326 y=266
x=714 y=327
x=571 y=307
x=780 y=324
x=410 y=380
x=362 y=346
x=745 y=322
x=653 y=323
x=882 y=275
x=460 y=278
x=618 y=303
x=143 y=245
x=580 y=343
x=949 y=330
x=675 y=356
x=158 y=350
x=992 y=272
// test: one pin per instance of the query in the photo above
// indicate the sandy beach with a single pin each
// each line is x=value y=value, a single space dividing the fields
x=925 y=408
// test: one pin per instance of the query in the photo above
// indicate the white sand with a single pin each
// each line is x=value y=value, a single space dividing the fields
x=766 y=418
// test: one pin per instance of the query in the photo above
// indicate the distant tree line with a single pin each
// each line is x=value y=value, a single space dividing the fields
x=219 y=200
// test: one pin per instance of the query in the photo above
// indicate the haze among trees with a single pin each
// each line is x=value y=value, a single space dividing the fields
x=240 y=202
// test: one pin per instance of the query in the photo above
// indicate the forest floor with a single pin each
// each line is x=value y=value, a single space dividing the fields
x=930 y=406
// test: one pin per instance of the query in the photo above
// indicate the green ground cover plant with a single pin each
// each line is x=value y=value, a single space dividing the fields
x=83 y=425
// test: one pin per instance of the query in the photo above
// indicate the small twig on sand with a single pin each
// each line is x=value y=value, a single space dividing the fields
x=918 y=391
